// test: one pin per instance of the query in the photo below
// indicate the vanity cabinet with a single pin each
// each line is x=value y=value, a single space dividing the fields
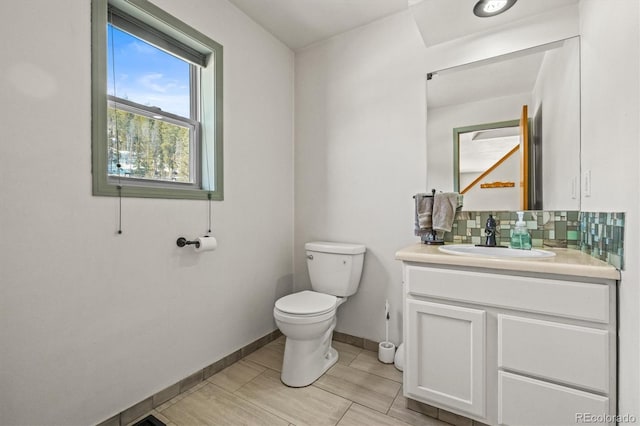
x=510 y=347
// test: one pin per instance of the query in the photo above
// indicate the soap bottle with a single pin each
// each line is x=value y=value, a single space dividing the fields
x=520 y=238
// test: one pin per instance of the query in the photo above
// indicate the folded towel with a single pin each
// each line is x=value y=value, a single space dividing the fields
x=444 y=210
x=423 y=211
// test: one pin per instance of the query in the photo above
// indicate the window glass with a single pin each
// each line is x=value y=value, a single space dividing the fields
x=148 y=148
x=142 y=73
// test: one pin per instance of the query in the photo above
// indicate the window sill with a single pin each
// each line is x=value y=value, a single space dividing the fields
x=108 y=190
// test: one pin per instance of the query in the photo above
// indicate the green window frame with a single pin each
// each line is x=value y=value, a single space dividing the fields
x=156 y=27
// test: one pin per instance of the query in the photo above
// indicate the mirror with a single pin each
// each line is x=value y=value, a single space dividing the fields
x=479 y=143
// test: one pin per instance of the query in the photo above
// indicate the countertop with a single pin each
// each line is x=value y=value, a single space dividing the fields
x=565 y=262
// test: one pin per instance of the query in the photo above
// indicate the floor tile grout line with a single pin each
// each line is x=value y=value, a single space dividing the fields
x=378 y=376
x=375 y=374
x=345 y=412
x=245 y=384
x=394 y=399
x=343 y=397
x=208 y=382
x=249 y=402
x=245 y=361
x=260 y=364
x=351 y=402
x=255 y=405
x=371 y=374
x=355 y=402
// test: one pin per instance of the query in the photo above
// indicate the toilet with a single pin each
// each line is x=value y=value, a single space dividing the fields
x=308 y=318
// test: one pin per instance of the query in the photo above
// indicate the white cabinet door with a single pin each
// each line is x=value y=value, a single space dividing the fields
x=445 y=354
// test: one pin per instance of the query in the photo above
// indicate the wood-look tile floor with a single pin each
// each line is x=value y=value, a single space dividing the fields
x=357 y=390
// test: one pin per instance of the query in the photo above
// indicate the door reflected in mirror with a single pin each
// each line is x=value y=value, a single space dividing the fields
x=488 y=158
x=481 y=105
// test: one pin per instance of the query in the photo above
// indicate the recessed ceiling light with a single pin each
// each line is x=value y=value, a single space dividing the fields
x=486 y=8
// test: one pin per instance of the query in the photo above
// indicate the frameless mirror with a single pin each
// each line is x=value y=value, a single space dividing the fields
x=506 y=131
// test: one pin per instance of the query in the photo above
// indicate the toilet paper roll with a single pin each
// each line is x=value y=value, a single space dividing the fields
x=206 y=244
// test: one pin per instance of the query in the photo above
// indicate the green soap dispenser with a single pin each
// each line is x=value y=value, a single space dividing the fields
x=520 y=237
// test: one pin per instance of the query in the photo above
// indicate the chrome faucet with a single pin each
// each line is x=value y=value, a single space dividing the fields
x=490 y=231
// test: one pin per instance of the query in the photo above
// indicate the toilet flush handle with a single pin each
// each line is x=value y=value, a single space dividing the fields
x=310 y=256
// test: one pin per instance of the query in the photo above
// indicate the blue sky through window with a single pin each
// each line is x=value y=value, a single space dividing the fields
x=144 y=74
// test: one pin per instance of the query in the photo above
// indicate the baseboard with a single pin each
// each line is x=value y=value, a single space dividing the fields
x=360 y=342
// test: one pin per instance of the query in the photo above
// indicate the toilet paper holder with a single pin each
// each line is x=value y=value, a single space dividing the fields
x=182 y=241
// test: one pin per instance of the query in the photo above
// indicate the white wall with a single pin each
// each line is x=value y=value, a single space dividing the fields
x=558 y=90
x=610 y=138
x=92 y=322
x=359 y=158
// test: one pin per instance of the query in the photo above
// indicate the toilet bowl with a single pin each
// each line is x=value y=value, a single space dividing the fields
x=308 y=318
x=307 y=352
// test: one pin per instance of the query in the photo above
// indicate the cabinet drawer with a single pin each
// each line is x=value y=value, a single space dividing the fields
x=570 y=299
x=523 y=401
x=578 y=356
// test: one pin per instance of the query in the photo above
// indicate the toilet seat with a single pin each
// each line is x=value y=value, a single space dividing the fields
x=302 y=319
x=306 y=303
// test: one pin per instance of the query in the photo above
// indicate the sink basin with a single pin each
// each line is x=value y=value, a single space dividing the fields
x=495 y=252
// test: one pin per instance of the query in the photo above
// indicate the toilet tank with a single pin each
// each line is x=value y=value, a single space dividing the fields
x=335 y=268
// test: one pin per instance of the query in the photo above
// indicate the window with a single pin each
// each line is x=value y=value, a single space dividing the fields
x=157 y=104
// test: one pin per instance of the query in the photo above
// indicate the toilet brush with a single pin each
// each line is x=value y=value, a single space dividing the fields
x=386 y=316
x=386 y=349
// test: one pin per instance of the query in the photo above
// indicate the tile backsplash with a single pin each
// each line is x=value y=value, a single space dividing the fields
x=599 y=234
x=602 y=236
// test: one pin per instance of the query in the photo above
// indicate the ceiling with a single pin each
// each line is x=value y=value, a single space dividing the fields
x=484 y=80
x=443 y=20
x=300 y=23
x=478 y=156
x=500 y=76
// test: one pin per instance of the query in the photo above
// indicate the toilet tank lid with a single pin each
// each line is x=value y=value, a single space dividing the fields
x=337 y=248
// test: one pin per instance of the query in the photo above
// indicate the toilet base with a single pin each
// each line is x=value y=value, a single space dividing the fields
x=306 y=360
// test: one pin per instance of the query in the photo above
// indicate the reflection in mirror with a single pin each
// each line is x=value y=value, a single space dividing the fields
x=478 y=102
x=488 y=158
